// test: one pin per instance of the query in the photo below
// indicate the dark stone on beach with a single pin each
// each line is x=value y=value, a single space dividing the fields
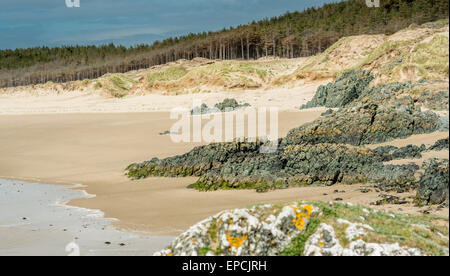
x=390 y=199
x=203 y=109
x=433 y=185
x=426 y=212
x=328 y=112
x=229 y=104
x=225 y=106
x=365 y=190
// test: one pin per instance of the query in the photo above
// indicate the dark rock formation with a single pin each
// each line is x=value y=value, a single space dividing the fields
x=328 y=112
x=434 y=100
x=352 y=87
x=226 y=105
x=324 y=152
x=367 y=123
x=440 y=145
x=389 y=153
x=347 y=88
x=433 y=185
x=240 y=165
x=390 y=199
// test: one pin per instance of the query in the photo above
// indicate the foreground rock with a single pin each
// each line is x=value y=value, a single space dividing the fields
x=315 y=228
x=260 y=231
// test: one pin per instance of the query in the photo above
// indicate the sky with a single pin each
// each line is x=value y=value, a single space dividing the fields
x=30 y=23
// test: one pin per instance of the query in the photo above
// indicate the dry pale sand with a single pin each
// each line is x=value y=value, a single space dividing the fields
x=45 y=102
x=94 y=149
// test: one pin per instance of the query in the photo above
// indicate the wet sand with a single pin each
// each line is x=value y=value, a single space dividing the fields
x=35 y=221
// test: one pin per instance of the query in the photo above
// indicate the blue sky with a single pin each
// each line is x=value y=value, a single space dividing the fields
x=29 y=23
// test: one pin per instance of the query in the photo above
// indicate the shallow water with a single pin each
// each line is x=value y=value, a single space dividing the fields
x=35 y=221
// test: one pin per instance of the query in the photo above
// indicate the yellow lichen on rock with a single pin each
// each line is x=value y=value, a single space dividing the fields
x=236 y=242
x=302 y=214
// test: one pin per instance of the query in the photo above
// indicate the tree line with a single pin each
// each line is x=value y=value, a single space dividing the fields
x=291 y=35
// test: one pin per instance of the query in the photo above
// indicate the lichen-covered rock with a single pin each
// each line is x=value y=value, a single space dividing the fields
x=310 y=229
x=433 y=185
x=228 y=104
x=328 y=112
x=260 y=231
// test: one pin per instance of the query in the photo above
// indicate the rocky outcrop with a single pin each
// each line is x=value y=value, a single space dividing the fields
x=433 y=185
x=240 y=165
x=353 y=86
x=434 y=100
x=326 y=151
x=389 y=153
x=347 y=88
x=367 y=123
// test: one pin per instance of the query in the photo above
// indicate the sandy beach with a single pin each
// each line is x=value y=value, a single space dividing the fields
x=94 y=149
